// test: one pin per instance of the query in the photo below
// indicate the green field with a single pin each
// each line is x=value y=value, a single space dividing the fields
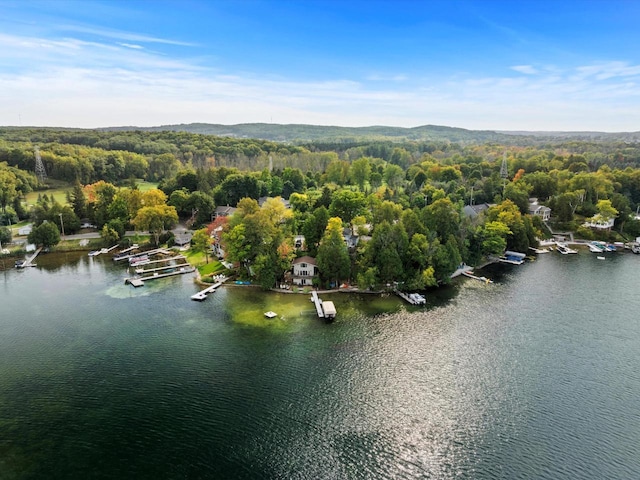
x=59 y=191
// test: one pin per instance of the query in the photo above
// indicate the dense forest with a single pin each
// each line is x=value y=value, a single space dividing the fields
x=399 y=201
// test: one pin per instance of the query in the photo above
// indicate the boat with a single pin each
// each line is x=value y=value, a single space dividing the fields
x=539 y=250
x=270 y=314
x=601 y=258
x=635 y=248
x=564 y=249
x=595 y=247
x=139 y=260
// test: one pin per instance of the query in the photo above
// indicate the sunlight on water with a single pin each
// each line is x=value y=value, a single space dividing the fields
x=534 y=376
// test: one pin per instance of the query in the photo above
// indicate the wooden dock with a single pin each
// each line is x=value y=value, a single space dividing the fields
x=180 y=270
x=155 y=251
x=142 y=271
x=28 y=262
x=412 y=298
x=202 y=294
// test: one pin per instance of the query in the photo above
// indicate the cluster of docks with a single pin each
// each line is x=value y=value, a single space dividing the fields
x=145 y=268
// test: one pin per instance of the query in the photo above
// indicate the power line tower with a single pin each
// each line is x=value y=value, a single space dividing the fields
x=41 y=173
x=504 y=173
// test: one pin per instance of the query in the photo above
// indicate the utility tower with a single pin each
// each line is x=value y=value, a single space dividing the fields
x=504 y=173
x=41 y=173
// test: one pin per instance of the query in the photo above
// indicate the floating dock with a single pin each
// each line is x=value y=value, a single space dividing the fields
x=323 y=309
x=202 y=294
x=412 y=298
x=139 y=281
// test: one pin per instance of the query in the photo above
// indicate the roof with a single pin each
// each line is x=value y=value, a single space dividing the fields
x=305 y=259
x=182 y=238
x=225 y=210
x=475 y=210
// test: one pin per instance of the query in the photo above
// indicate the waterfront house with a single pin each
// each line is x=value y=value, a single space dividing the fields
x=304 y=271
x=538 y=210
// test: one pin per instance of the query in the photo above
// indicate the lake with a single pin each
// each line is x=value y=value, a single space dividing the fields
x=534 y=376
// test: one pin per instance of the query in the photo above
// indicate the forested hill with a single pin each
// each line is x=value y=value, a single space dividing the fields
x=425 y=133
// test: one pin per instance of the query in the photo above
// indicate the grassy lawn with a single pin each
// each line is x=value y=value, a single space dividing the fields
x=198 y=260
x=59 y=193
x=145 y=186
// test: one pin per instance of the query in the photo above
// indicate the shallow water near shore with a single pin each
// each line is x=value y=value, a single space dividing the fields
x=534 y=376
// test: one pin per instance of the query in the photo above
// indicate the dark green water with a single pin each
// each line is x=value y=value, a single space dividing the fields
x=536 y=376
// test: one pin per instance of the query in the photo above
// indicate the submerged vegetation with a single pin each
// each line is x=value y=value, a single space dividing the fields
x=371 y=211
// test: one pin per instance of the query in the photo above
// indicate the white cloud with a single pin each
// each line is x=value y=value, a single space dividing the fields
x=526 y=69
x=70 y=82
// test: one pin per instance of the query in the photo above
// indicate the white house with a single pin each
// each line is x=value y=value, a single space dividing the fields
x=26 y=230
x=305 y=270
x=539 y=210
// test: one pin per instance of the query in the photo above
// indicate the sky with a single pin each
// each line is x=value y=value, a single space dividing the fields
x=481 y=64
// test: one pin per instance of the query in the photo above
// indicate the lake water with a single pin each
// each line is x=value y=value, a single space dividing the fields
x=536 y=376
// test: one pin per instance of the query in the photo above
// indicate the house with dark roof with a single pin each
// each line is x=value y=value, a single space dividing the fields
x=224 y=211
x=538 y=210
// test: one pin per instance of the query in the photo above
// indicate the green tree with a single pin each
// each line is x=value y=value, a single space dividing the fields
x=347 y=204
x=360 y=172
x=201 y=242
x=46 y=235
x=494 y=237
x=156 y=219
x=5 y=235
x=109 y=235
x=333 y=257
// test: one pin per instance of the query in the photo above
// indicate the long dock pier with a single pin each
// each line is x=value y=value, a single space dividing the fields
x=28 y=262
x=142 y=271
x=202 y=294
x=180 y=270
x=119 y=257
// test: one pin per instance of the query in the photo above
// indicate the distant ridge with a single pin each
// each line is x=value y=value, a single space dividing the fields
x=309 y=133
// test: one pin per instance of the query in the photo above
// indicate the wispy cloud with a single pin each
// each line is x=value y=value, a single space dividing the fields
x=120 y=35
x=73 y=82
x=526 y=69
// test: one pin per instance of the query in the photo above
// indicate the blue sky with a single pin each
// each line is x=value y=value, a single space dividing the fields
x=498 y=65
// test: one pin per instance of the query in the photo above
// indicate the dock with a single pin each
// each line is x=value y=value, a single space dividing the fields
x=323 y=309
x=139 y=281
x=202 y=294
x=482 y=279
x=95 y=253
x=142 y=271
x=412 y=298
x=119 y=257
x=28 y=262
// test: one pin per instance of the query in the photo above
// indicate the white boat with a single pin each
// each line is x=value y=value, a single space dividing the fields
x=564 y=249
x=595 y=248
x=539 y=250
x=270 y=314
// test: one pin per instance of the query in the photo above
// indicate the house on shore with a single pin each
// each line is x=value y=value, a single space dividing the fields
x=304 y=270
x=538 y=210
